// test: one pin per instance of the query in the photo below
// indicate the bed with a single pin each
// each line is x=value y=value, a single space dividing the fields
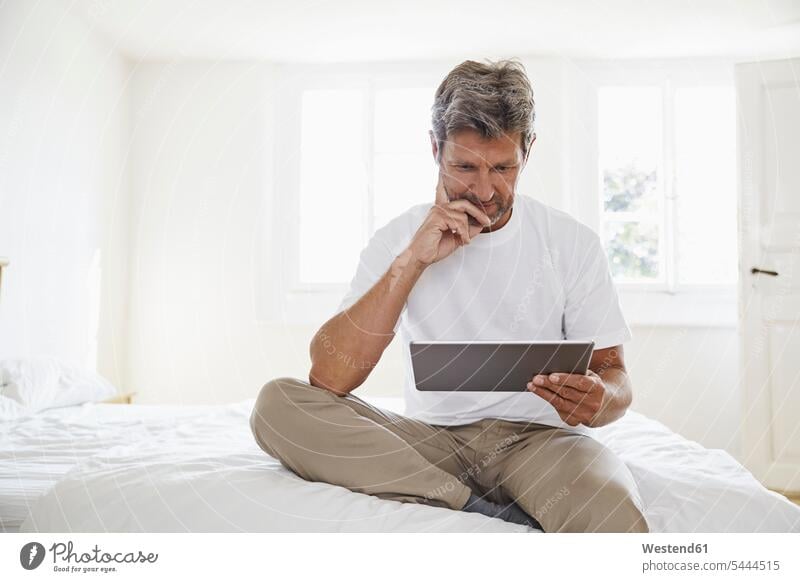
x=142 y=468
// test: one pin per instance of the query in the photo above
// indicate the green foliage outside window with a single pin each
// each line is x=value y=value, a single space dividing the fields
x=632 y=247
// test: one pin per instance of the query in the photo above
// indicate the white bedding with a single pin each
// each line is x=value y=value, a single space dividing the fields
x=160 y=469
x=38 y=450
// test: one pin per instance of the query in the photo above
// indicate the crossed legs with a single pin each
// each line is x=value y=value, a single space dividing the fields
x=566 y=481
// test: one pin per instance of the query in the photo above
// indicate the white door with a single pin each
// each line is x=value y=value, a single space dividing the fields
x=769 y=239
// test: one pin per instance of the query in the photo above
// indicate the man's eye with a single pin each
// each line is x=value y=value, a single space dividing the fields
x=464 y=167
x=501 y=168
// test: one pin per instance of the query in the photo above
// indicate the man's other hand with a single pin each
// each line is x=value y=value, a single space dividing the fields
x=577 y=398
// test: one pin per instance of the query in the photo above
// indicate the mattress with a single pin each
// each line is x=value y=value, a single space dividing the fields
x=144 y=468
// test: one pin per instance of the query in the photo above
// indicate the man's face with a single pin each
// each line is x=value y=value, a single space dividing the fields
x=483 y=171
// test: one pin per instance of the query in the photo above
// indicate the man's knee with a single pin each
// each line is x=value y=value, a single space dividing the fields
x=618 y=506
x=630 y=518
x=277 y=409
x=602 y=495
x=609 y=504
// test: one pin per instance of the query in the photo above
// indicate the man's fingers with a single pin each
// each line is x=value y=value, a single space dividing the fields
x=567 y=409
x=571 y=420
x=559 y=403
x=460 y=210
x=442 y=199
x=454 y=221
x=445 y=220
x=457 y=228
x=565 y=392
x=463 y=223
x=470 y=208
x=578 y=381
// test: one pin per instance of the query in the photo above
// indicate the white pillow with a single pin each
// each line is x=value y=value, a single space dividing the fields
x=39 y=383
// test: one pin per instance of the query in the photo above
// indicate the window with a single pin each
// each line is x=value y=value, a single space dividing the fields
x=364 y=159
x=667 y=183
x=332 y=183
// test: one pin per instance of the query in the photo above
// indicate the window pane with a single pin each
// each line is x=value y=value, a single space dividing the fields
x=633 y=250
x=402 y=180
x=402 y=120
x=630 y=154
x=630 y=135
x=630 y=189
x=404 y=169
x=332 y=185
x=705 y=183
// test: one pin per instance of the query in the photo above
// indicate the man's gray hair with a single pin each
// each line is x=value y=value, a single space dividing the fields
x=494 y=99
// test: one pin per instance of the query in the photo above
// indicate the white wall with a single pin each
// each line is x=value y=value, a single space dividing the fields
x=63 y=189
x=688 y=379
x=201 y=185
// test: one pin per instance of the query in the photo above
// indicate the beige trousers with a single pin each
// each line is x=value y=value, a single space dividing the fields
x=567 y=481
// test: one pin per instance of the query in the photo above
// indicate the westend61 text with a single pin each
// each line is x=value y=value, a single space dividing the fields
x=671 y=549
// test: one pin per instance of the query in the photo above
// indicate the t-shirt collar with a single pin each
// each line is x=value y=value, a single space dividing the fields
x=504 y=234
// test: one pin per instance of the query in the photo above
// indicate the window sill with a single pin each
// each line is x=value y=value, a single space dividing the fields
x=707 y=307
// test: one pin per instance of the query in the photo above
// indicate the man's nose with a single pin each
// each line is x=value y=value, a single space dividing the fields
x=484 y=189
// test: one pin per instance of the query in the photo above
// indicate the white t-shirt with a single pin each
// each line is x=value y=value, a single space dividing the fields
x=543 y=276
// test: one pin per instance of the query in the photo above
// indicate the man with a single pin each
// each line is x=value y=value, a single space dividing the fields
x=481 y=263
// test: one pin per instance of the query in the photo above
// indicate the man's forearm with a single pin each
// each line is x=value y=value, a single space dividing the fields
x=618 y=397
x=348 y=346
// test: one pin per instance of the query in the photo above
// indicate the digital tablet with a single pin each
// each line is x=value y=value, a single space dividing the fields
x=491 y=366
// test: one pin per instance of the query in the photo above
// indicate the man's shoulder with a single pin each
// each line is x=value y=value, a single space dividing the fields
x=557 y=225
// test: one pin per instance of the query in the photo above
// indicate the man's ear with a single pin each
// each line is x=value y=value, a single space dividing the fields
x=434 y=146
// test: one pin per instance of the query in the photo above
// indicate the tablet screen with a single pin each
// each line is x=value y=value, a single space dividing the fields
x=493 y=366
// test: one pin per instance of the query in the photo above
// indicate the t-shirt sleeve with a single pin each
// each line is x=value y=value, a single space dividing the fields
x=374 y=260
x=592 y=311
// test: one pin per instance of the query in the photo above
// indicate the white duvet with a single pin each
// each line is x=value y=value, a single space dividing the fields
x=203 y=472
